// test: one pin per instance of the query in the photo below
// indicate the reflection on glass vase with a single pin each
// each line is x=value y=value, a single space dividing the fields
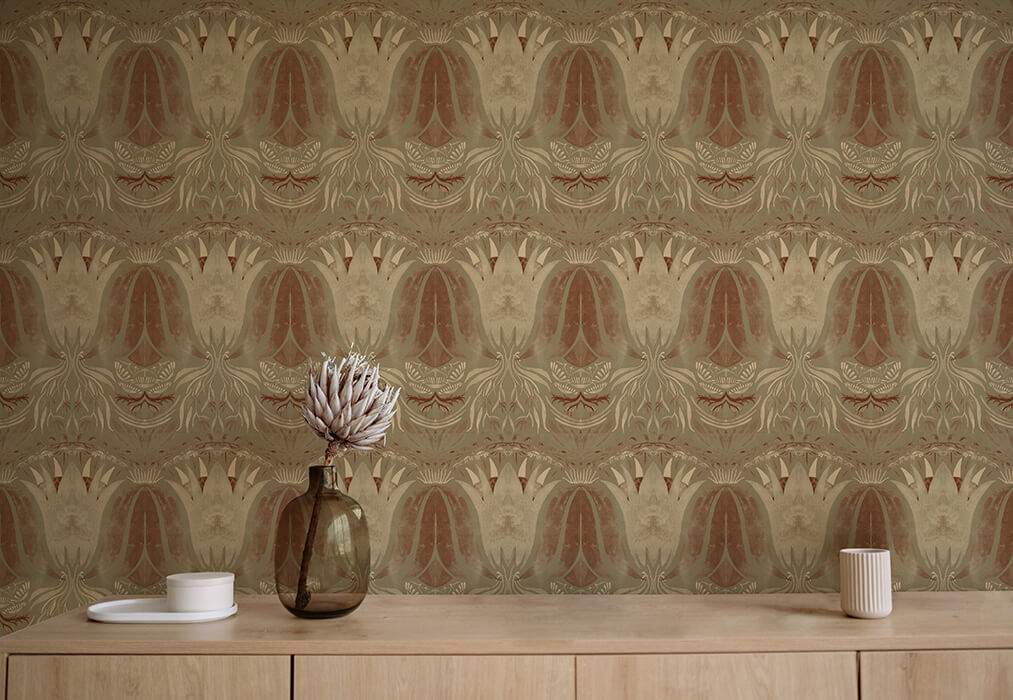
x=321 y=550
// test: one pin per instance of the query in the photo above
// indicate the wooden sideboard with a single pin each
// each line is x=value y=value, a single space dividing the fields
x=934 y=645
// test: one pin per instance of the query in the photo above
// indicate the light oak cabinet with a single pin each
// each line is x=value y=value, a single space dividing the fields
x=154 y=677
x=814 y=676
x=934 y=646
x=433 y=677
x=982 y=674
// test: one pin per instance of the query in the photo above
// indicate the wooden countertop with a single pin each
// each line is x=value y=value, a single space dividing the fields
x=546 y=624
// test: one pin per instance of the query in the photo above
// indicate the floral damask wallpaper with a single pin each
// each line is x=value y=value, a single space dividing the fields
x=684 y=296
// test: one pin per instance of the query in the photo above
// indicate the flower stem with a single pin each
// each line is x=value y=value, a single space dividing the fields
x=333 y=447
x=302 y=595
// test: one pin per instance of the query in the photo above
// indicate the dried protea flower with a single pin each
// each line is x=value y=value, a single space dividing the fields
x=346 y=405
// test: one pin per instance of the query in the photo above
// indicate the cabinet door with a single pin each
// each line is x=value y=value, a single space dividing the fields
x=433 y=677
x=829 y=676
x=80 y=677
x=926 y=675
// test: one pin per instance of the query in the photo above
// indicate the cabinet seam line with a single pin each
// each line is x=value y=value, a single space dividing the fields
x=858 y=671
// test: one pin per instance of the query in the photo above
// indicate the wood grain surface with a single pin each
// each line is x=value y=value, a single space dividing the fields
x=74 y=677
x=434 y=677
x=543 y=624
x=985 y=674
x=815 y=676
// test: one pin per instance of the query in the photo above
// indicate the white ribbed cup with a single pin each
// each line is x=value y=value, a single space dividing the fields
x=865 y=583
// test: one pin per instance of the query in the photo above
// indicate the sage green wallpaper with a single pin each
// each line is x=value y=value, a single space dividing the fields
x=683 y=296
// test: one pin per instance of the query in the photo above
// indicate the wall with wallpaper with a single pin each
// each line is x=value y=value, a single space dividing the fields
x=683 y=296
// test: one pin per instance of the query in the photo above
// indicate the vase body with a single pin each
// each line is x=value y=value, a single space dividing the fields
x=321 y=550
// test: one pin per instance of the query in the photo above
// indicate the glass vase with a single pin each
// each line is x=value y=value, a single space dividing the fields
x=321 y=550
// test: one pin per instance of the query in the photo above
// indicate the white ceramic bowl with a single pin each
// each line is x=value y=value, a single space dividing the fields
x=199 y=591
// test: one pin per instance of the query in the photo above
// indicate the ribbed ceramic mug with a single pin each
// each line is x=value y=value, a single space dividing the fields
x=865 y=583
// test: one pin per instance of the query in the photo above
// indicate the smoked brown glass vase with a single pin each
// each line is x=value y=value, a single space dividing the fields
x=321 y=550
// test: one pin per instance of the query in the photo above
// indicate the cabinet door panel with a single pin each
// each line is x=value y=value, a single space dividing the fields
x=80 y=677
x=925 y=675
x=434 y=677
x=829 y=676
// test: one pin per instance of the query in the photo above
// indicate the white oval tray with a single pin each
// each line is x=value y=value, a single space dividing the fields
x=151 y=610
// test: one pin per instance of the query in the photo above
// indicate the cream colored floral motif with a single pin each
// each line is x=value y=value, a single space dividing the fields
x=798 y=500
x=361 y=61
x=218 y=59
x=943 y=501
x=73 y=174
x=217 y=280
x=508 y=62
x=73 y=280
x=362 y=282
x=217 y=501
x=943 y=59
x=508 y=499
x=654 y=500
x=72 y=491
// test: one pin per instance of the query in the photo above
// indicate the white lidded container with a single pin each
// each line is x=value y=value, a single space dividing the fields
x=199 y=591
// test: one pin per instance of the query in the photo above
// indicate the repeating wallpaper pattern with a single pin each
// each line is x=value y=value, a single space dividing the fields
x=684 y=297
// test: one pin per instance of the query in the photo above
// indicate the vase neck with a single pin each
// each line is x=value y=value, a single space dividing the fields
x=323 y=479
